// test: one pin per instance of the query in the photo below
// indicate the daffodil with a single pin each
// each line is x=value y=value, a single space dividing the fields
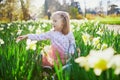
x=96 y=23
x=39 y=31
x=100 y=32
x=78 y=28
x=98 y=46
x=46 y=49
x=19 y=32
x=115 y=64
x=97 y=59
x=31 y=28
x=31 y=44
x=96 y=41
x=86 y=38
x=9 y=24
x=104 y=46
x=1 y=29
x=83 y=62
x=1 y=41
x=72 y=27
x=44 y=25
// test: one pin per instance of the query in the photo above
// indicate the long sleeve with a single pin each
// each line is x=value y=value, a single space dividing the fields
x=72 y=44
x=43 y=36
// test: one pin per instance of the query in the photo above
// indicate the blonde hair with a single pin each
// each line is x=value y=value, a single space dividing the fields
x=66 y=21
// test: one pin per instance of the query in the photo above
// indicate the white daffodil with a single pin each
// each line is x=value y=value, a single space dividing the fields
x=83 y=62
x=86 y=38
x=72 y=28
x=46 y=49
x=96 y=23
x=9 y=24
x=44 y=25
x=100 y=32
x=104 y=46
x=39 y=31
x=19 y=32
x=31 y=28
x=1 y=29
x=1 y=41
x=85 y=20
x=31 y=44
x=78 y=28
x=96 y=41
x=12 y=33
x=115 y=64
x=98 y=46
x=8 y=27
x=98 y=60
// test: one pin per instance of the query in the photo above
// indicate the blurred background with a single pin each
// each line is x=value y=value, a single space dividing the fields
x=13 y=10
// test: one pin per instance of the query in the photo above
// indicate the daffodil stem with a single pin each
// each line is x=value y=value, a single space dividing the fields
x=107 y=74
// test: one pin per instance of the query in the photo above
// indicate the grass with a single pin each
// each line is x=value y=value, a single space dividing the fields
x=108 y=20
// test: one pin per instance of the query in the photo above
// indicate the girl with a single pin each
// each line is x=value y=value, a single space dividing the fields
x=62 y=40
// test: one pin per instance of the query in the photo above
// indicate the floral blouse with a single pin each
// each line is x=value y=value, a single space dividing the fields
x=65 y=42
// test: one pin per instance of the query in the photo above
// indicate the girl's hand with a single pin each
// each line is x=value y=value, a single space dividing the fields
x=21 y=38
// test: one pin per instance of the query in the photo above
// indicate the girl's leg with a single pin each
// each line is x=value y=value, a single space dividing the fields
x=46 y=62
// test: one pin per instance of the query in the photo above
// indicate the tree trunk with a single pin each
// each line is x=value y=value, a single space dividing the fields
x=26 y=15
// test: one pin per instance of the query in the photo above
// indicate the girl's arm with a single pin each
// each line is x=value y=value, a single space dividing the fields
x=72 y=43
x=42 y=36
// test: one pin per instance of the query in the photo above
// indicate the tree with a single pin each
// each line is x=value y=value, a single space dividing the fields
x=1 y=0
x=26 y=15
x=6 y=9
x=112 y=9
x=54 y=5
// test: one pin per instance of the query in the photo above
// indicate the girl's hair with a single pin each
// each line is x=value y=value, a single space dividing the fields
x=66 y=21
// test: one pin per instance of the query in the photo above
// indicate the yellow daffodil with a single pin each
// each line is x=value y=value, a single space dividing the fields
x=98 y=60
x=96 y=41
x=31 y=44
x=98 y=46
x=86 y=38
x=104 y=46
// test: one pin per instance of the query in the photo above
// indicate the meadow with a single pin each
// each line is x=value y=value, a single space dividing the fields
x=98 y=60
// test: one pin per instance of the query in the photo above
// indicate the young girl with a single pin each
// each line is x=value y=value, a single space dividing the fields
x=62 y=40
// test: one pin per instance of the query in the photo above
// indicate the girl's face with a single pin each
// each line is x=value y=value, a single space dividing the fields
x=57 y=22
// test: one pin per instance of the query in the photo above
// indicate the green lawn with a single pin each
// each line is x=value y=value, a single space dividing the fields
x=108 y=20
